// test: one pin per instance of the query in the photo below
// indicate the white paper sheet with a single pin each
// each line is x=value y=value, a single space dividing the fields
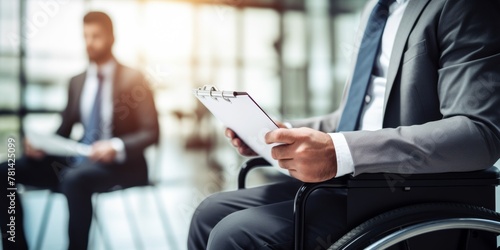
x=57 y=145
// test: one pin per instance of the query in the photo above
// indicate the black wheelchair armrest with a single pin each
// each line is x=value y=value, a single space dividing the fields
x=489 y=176
x=247 y=167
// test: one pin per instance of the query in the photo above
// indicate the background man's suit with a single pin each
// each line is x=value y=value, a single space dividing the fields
x=441 y=114
x=134 y=121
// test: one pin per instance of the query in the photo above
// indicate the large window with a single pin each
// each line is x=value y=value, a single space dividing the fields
x=290 y=55
x=9 y=73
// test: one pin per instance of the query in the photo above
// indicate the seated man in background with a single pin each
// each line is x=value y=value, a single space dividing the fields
x=115 y=105
x=424 y=97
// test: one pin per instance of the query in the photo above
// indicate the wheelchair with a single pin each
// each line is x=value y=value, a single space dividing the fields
x=419 y=211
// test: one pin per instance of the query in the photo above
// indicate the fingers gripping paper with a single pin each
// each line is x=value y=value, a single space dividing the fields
x=239 y=112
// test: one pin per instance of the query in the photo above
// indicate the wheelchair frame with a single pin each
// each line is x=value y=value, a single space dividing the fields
x=410 y=190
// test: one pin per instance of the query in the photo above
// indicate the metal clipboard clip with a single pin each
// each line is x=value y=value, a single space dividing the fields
x=212 y=92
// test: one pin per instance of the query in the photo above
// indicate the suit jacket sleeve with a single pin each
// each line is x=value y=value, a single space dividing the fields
x=143 y=115
x=327 y=123
x=468 y=135
x=70 y=113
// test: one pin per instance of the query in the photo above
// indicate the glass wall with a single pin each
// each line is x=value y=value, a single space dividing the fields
x=10 y=91
x=292 y=56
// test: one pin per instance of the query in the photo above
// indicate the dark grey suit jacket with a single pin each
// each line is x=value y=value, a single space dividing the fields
x=442 y=103
x=135 y=119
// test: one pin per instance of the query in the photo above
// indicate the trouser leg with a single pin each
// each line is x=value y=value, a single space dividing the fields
x=271 y=226
x=78 y=185
x=42 y=173
x=263 y=218
x=214 y=208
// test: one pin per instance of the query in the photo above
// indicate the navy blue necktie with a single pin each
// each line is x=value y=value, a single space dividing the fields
x=364 y=66
x=93 y=127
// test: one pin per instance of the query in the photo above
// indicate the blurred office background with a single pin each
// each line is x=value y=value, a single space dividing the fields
x=291 y=55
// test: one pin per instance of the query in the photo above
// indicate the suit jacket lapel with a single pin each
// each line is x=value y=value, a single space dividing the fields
x=80 y=82
x=116 y=80
x=410 y=17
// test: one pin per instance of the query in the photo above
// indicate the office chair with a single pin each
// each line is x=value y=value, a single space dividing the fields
x=407 y=212
x=152 y=183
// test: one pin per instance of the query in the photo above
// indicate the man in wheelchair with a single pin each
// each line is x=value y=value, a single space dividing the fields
x=423 y=98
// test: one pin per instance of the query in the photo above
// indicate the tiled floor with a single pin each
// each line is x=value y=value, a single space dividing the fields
x=184 y=181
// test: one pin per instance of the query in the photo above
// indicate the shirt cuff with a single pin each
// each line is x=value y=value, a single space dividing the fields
x=119 y=147
x=345 y=164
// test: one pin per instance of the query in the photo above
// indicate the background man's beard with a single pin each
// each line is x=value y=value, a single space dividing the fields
x=99 y=56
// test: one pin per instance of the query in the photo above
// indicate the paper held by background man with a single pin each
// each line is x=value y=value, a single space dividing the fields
x=56 y=145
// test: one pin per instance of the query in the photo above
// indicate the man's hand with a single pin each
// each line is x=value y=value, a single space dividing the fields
x=308 y=154
x=102 y=151
x=32 y=152
x=243 y=148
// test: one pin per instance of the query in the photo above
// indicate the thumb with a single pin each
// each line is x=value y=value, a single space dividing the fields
x=280 y=135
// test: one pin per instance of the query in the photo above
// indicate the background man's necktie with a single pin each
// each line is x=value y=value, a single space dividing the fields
x=364 y=66
x=93 y=129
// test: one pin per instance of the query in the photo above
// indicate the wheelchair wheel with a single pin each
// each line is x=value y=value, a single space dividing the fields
x=389 y=222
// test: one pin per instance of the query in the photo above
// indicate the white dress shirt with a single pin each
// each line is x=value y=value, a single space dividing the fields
x=89 y=92
x=372 y=112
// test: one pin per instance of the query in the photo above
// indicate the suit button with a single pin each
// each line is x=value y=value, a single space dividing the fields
x=368 y=99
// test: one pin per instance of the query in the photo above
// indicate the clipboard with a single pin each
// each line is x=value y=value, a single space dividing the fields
x=239 y=112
